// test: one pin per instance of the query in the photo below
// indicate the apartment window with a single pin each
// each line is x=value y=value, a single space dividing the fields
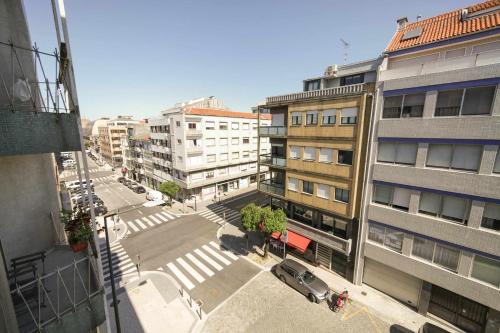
x=397 y=152
x=334 y=226
x=442 y=255
x=223 y=141
x=243 y=167
x=223 y=171
x=245 y=154
x=486 y=269
x=296 y=118
x=352 y=79
x=294 y=152
x=395 y=197
x=461 y=157
x=307 y=187
x=386 y=236
x=311 y=117
x=235 y=126
x=326 y=155
x=349 y=116
x=246 y=126
x=255 y=140
x=469 y=101
x=179 y=158
x=312 y=85
x=178 y=124
x=496 y=167
x=491 y=216
x=223 y=157
x=407 y=106
x=235 y=155
x=210 y=174
x=345 y=157
x=392 y=107
x=223 y=126
x=179 y=141
x=444 y=206
x=235 y=141
x=323 y=191
x=293 y=184
x=302 y=214
x=246 y=141
x=211 y=158
x=423 y=248
x=309 y=153
x=342 y=195
x=329 y=117
x=210 y=125
x=210 y=142
x=192 y=125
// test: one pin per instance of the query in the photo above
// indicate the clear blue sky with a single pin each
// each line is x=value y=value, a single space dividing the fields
x=138 y=57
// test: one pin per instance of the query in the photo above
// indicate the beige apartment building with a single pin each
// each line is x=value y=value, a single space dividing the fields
x=110 y=139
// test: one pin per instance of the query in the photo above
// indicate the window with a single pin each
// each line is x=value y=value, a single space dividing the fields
x=223 y=126
x=210 y=174
x=472 y=101
x=444 y=206
x=486 y=270
x=235 y=126
x=294 y=152
x=448 y=103
x=245 y=154
x=179 y=141
x=223 y=157
x=446 y=256
x=352 y=79
x=312 y=85
x=392 y=107
x=323 y=191
x=179 y=159
x=235 y=141
x=345 y=157
x=296 y=118
x=496 y=168
x=210 y=142
x=329 y=117
x=223 y=141
x=178 y=124
x=211 y=158
x=309 y=153
x=423 y=248
x=334 y=226
x=223 y=171
x=302 y=214
x=192 y=125
x=246 y=126
x=210 y=125
x=311 y=117
x=491 y=216
x=397 y=152
x=307 y=187
x=326 y=155
x=376 y=233
x=349 y=116
x=461 y=157
x=246 y=140
x=293 y=184
x=407 y=106
x=342 y=195
x=235 y=155
x=395 y=197
x=243 y=167
x=255 y=140
x=386 y=236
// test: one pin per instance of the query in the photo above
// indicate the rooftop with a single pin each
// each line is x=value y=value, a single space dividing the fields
x=473 y=19
x=225 y=113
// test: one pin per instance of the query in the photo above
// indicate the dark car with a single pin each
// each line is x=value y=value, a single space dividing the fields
x=300 y=278
x=121 y=179
x=139 y=189
x=430 y=328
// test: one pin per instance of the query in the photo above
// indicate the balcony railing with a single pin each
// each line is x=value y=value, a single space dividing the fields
x=272 y=131
x=193 y=133
x=279 y=161
x=336 y=91
x=194 y=150
x=271 y=187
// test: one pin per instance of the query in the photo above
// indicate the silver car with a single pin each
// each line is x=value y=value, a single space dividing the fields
x=298 y=277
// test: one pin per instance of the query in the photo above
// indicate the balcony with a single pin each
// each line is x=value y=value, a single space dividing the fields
x=193 y=133
x=161 y=149
x=275 y=161
x=158 y=136
x=270 y=187
x=274 y=131
x=352 y=89
x=195 y=150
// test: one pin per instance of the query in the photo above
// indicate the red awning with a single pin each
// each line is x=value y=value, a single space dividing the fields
x=298 y=241
x=276 y=235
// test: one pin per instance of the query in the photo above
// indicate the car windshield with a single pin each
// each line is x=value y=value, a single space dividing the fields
x=308 y=277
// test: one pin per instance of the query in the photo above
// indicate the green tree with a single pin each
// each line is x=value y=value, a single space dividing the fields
x=265 y=220
x=170 y=189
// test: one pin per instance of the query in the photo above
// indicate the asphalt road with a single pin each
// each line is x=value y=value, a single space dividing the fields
x=240 y=201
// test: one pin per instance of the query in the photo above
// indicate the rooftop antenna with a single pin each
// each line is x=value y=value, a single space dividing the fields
x=419 y=17
x=346 y=46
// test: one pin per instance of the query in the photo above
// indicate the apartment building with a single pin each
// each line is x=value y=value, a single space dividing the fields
x=137 y=154
x=94 y=135
x=110 y=139
x=207 y=151
x=430 y=233
x=318 y=139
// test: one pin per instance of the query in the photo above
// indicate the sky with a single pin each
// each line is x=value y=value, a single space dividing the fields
x=138 y=57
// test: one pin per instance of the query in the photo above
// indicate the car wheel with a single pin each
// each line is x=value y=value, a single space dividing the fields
x=312 y=298
x=282 y=278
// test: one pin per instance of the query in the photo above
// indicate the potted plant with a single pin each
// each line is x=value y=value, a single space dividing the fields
x=80 y=237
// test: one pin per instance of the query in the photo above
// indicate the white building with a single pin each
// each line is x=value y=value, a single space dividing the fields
x=207 y=151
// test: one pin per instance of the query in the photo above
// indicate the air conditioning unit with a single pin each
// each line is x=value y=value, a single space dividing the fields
x=331 y=70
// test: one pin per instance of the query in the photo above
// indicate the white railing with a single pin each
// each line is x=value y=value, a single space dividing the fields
x=342 y=90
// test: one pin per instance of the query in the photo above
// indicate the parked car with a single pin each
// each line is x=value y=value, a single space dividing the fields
x=121 y=179
x=430 y=328
x=99 y=209
x=139 y=189
x=79 y=199
x=127 y=182
x=131 y=185
x=300 y=278
x=75 y=185
x=154 y=195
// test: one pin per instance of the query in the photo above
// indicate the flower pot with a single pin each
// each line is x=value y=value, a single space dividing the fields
x=78 y=247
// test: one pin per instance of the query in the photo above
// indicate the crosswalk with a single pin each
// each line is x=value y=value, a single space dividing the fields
x=145 y=222
x=69 y=173
x=217 y=213
x=120 y=261
x=102 y=179
x=197 y=266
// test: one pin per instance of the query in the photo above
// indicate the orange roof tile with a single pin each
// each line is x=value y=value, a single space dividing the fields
x=448 y=25
x=225 y=113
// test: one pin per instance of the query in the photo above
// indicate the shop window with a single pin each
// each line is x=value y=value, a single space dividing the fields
x=302 y=214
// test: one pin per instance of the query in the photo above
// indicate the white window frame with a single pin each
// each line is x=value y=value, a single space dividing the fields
x=323 y=187
x=298 y=153
x=313 y=155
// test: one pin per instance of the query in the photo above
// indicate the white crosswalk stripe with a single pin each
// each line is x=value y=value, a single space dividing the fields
x=219 y=214
x=190 y=270
x=209 y=260
x=185 y=281
x=133 y=226
x=167 y=215
x=121 y=264
x=148 y=221
x=199 y=264
x=155 y=219
x=145 y=219
x=226 y=252
x=139 y=222
x=216 y=255
x=161 y=217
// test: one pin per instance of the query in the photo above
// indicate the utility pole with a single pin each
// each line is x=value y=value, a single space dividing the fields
x=346 y=47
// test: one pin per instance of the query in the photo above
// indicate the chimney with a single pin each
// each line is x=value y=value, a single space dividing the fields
x=402 y=23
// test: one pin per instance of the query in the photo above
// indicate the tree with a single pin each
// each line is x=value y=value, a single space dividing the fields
x=170 y=189
x=265 y=220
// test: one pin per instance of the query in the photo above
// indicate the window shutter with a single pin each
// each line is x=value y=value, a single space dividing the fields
x=386 y=152
x=430 y=202
x=406 y=153
x=454 y=207
x=439 y=155
x=401 y=197
x=466 y=157
x=323 y=191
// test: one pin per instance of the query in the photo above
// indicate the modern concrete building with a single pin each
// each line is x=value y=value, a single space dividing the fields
x=430 y=233
x=137 y=154
x=207 y=151
x=318 y=139
x=110 y=139
x=94 y=135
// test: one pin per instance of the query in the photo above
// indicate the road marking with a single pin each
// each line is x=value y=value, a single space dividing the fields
x=227 y=253
x=199 y=264
x=155 y=219
x=145 y=219
x=161 y=217
x=140 y=212
x=133 y=226
x=208 y=259
x=185 y=281
x=139 y=222
x=168 y=215
x=216 y=255
x=190 y=270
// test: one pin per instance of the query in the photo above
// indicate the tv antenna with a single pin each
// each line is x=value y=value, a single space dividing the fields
x=346 y=46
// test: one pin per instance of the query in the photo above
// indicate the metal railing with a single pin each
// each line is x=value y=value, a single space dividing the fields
x=270 y=187
x=274 y=160
x=273 y=130
x=342 y=90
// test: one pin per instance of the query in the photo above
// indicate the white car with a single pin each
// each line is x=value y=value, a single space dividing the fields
x=69 y=163
x=154 y=195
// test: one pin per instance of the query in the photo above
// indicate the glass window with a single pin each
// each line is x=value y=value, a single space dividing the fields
x=401 y=198
x=192 y=125
x=326 y=155
x=296 y=118
x=223 y=141
x=486 y=270
x=406 y=153
x=478 y=100
x=423 y=248
x=496 y=168
x=413 y=105
x=245 y=154
x=210 y=142
x=430 y=203
x=448 y=103
x=376 y=233
x=386 y=152
x=446 y=256
x=327 y=223
x=235 y=141
x=352 y=79
x=323 y=191
x=349 y=116
x=235 y=155
x=309 y=153
x=312 y=85
x=302 y=214
x=246 y=126
x=340 y=229
x=307 y=187
x=294 y=152
x=345 y=157
x=178 y=124
x=342 y=195
x=246 y=140
x=491 y=216
x=439 y=155
x=393 y=239
x=293 y=184
x=329 y=117
x=392 y=107
x=454 y=209
x=223 y=157
x=210 y=125
x=382 y=194
x=223 y=125
x=466 y=157
x=211 y=158
x=235 y=126
x=312 y=118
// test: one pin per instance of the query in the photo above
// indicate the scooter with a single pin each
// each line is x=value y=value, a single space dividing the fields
x=341 y=301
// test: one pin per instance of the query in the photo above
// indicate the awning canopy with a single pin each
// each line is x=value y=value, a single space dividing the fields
x=298 y=241
x=276 y=235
